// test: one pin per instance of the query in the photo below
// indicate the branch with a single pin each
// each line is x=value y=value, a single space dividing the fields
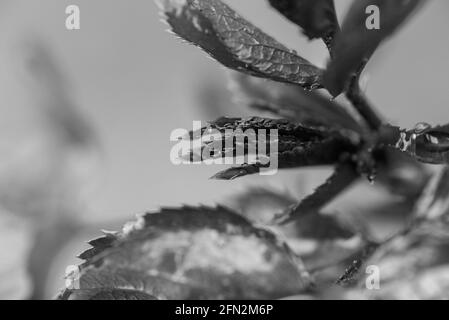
x=361 y=104
x=358 y=259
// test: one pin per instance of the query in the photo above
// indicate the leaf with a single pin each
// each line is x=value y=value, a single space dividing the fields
x=239 y=172
x=323 y=227
x=194 y=253
x=425 y=143
x=327 y=152
x=434 y=203
x=292 y=103
x=429 y=213
x=355 y=44
x=48 y=242
x=400 y=173
x=106 y=294
x=297 y=145
x=317 y=18
x=14 y=250
x=414 y=265
x=341 y=179
x=321 y=241
x=258 y=203
x=237 y=44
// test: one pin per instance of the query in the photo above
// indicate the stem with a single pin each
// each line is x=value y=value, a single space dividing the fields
x=360 y=102
x=354 y=94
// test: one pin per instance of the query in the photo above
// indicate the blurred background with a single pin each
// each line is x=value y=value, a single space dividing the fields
x=86 y=116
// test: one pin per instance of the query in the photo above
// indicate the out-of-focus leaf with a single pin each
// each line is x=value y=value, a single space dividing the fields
x=325 y=243
x=238 y=172
x=259 y=203
x=400 y=173
x=415 y=263
x=413 y=266
x=15 y=242
x=47 y=244
x=425 y=143
x=327 y=152
x=194 y=253
x=47 y=175
x=356 y=43
x=323 y=227
x=429 y=216
x=297 y=145
x=63 y=148
x=321 y=241
x=292 y=103
x=328 y=259
x=106 y=294
x=236 y=43
x=317 y=18
x=434 y=203
x=342 y=178
x=385 y=215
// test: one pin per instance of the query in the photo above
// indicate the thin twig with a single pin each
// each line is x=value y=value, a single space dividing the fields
x=360 y=102
x=358 y=260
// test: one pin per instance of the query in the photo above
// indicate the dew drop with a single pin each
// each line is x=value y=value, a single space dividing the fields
x=372 y=178
x=422 y=127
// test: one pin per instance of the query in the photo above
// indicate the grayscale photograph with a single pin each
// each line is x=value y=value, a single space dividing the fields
x=231 y=157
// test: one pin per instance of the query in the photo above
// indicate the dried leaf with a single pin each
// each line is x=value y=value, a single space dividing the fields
x=292 y=103
x=236 y=43
x=194 y=253
x=355 y=44
x=317 y=18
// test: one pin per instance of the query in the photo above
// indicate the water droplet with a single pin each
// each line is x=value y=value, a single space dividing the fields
x=422 y=127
